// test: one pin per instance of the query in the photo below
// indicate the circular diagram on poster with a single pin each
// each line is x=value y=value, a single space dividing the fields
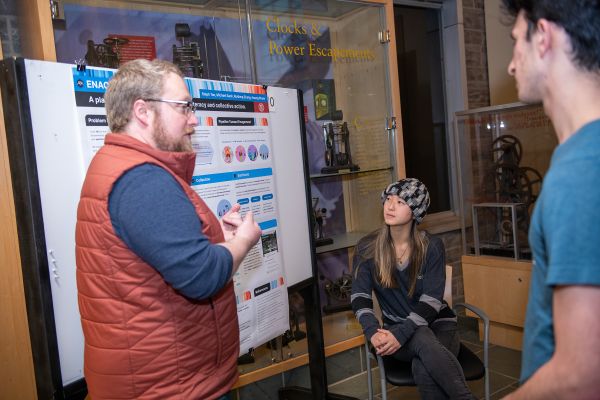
x=252 y=152
x=227 y=154
x=240 y=153
x=223 y=206
x=263 y=151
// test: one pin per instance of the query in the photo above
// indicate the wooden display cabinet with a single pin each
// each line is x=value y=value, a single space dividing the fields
x=500 y=286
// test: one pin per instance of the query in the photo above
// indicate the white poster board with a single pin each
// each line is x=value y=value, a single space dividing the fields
x=68 y=124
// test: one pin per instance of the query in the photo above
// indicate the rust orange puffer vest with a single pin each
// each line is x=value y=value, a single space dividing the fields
x=143 y=340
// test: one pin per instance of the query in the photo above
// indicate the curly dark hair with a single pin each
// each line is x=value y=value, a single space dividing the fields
x=579 y=18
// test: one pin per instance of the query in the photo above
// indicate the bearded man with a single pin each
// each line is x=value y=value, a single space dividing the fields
x=154 y=265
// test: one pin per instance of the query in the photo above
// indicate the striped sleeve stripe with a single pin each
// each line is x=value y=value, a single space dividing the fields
x=431 y=302
x=360 y=301
x=357 y=295
x=391 y=317
x=362 y=312
x=417 y=319
x=426 y=312
x=446 y=320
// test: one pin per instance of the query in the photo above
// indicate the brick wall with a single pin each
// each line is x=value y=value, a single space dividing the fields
x=478 y=95
x=478 y=91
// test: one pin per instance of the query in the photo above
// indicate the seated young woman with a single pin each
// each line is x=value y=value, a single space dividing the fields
x=405 y=268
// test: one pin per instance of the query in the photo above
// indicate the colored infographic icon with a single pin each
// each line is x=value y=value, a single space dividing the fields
x=227 y=154
x=264 y=151
x=223 y=206
x=252 y=152
x=240 y=153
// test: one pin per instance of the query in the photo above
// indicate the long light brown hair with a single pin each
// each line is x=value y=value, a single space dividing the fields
x=379 y=246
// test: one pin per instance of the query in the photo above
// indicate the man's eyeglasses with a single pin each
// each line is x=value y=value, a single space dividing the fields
x=187 y=106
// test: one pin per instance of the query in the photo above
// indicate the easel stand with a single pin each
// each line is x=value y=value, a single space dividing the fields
x=316 y=353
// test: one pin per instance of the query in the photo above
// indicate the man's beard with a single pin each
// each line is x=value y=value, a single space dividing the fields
x=164 y=143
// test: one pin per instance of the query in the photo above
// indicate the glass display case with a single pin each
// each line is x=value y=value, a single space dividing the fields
x=330 y=50
x=503 y=155
x=334 y=51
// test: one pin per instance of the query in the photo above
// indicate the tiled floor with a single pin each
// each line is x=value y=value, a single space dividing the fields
x=505 y=367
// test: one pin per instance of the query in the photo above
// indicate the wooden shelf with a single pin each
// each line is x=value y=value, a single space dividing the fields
x=362 y=171
x=341 y=332
x=342 y=241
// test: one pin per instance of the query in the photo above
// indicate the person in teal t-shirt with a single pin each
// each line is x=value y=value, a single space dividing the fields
x=556 y=60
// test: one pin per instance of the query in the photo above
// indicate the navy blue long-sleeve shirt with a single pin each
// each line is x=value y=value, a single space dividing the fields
x=401 y=314
x=152 y=214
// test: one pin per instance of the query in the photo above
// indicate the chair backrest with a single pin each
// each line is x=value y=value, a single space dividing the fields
x=448 y=287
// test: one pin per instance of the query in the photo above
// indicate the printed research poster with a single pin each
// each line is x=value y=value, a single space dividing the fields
x=234 y=164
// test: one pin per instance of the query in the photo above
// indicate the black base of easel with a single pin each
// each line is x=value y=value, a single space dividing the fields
x=316 y=353
x=300 y=393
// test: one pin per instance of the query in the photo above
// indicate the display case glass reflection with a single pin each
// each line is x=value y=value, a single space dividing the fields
x=329 y=49
x=503 y=155
x=206 y=40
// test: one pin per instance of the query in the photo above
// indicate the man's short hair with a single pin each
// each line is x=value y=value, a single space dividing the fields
x=579 y=18
x=137 y=79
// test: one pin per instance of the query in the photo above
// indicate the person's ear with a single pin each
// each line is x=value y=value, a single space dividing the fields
x=543 y=40
x=142 y=112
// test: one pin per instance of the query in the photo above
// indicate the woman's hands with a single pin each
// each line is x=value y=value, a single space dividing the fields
x=385 y=342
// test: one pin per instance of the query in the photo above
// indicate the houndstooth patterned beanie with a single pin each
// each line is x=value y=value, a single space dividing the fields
x=413 y=192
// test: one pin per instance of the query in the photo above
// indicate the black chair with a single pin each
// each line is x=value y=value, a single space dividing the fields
x=399 y=373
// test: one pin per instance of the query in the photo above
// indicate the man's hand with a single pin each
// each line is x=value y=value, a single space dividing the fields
x=385 y=342
x=231 y=221
x=240 y=235
x=248 y=231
